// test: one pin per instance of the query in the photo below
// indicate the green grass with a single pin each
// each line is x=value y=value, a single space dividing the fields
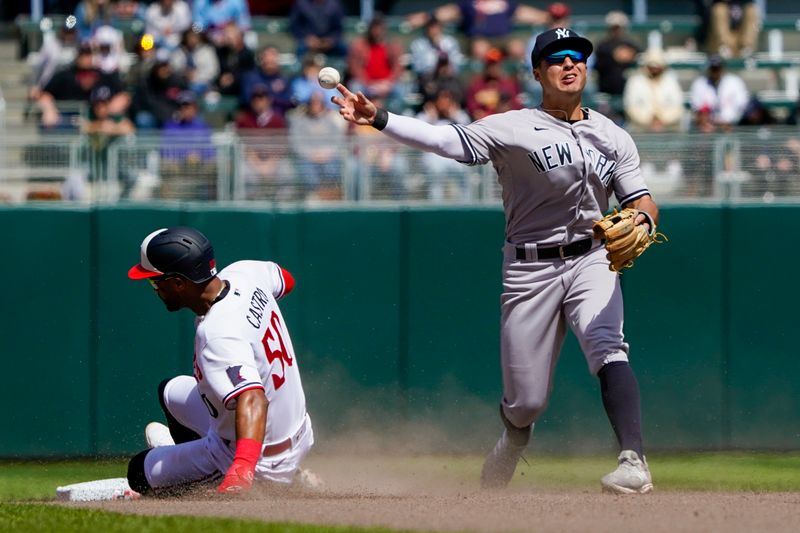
x=37 y=480
x=723 y=471
x=29 y=518
x=729 y=472
x=22 y=482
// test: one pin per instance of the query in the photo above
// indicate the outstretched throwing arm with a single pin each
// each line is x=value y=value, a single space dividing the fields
x=441 y=140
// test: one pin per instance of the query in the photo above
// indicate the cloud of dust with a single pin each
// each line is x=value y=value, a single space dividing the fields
x=357 y=418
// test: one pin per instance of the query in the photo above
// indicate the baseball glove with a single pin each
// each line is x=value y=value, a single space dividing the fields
x=624 y=240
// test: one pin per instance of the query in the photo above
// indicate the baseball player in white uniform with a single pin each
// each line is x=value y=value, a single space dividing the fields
x=242 y=415
x=557 y=164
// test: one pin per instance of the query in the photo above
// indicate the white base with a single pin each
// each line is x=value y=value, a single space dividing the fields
x=102 y=489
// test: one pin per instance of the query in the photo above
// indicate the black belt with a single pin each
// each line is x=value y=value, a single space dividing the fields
x=553 y=252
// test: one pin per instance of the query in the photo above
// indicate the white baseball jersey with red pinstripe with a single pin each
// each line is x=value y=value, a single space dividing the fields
x=243 y=344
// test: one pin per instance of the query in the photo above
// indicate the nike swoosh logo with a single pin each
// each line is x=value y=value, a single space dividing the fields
x=539 y=129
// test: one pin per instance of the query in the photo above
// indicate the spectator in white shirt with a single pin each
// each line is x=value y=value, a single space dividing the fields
x=426 y=50
x=719 y=98
x=166 y=20
x=109 y=50
x=652 y=97
x=58 y=50
x=197 y=60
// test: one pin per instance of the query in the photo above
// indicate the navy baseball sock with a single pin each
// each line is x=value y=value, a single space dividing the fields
x=620 y=392
x=179 y=432
x=136 y=476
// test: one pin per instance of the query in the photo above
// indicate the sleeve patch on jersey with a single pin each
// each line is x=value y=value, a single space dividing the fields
x=633 y=196
x=235 y=393
x=468 y=144
x=235 y=374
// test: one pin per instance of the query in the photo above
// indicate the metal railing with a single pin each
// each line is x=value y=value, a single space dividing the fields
x=750 y=165
x=271 y=168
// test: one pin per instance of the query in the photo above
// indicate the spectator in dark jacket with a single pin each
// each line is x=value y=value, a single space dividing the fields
x=76 y=84
x=614 y=54
x=442 y=78
x=235 y=59
x=155 y=97
x=317 y=27
x=268 y=73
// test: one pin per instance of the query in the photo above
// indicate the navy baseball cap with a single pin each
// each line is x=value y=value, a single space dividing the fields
x=556 y=40
x=179 y=250
x=716 y=61
x=186 y=97
x=100 y=94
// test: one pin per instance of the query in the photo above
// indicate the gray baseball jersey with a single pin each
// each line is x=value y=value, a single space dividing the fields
x=556 y=176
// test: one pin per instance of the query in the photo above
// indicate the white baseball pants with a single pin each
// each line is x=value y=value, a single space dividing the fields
x=208 y=458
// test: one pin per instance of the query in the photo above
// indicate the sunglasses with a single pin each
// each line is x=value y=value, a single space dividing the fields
x=558 y=57
x=155 y=281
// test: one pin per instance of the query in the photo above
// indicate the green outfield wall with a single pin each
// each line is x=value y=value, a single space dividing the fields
x=395 y=321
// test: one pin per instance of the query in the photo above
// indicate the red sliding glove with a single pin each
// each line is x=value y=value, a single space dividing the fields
x=239 y=477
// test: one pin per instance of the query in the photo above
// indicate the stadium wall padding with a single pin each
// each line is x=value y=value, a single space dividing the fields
x=395 y=320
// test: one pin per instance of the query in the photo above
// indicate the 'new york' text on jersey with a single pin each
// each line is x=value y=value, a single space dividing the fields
x=556 y=176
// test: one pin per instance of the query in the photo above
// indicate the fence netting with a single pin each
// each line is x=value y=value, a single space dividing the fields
x=753 y=165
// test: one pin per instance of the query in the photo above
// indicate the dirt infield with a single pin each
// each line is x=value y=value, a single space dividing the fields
x=374 y=492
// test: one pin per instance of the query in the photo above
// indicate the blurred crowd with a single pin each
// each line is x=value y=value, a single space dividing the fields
x=191 y=56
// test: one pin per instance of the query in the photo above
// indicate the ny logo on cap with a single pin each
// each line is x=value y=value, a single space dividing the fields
x=561 y=33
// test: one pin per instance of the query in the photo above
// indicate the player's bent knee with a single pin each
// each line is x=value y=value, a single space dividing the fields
x=519 y=431
x=136 y=476
x=526 y=412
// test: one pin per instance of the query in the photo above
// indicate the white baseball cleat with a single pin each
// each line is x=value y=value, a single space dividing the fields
x=500 y=464
x=157 y=434
x=632 y=476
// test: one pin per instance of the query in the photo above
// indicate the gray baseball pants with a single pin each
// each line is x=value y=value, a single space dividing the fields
x=540 y=299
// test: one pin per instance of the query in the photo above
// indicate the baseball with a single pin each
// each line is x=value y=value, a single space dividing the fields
x=329 y=77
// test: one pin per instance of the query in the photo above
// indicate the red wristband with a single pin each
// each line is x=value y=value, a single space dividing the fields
x=247 y=450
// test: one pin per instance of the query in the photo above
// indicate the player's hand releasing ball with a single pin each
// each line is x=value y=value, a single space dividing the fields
x=355 y=108
x=329 y=78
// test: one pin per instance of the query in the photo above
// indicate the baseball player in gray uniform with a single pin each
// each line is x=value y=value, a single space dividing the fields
x=557 y=164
